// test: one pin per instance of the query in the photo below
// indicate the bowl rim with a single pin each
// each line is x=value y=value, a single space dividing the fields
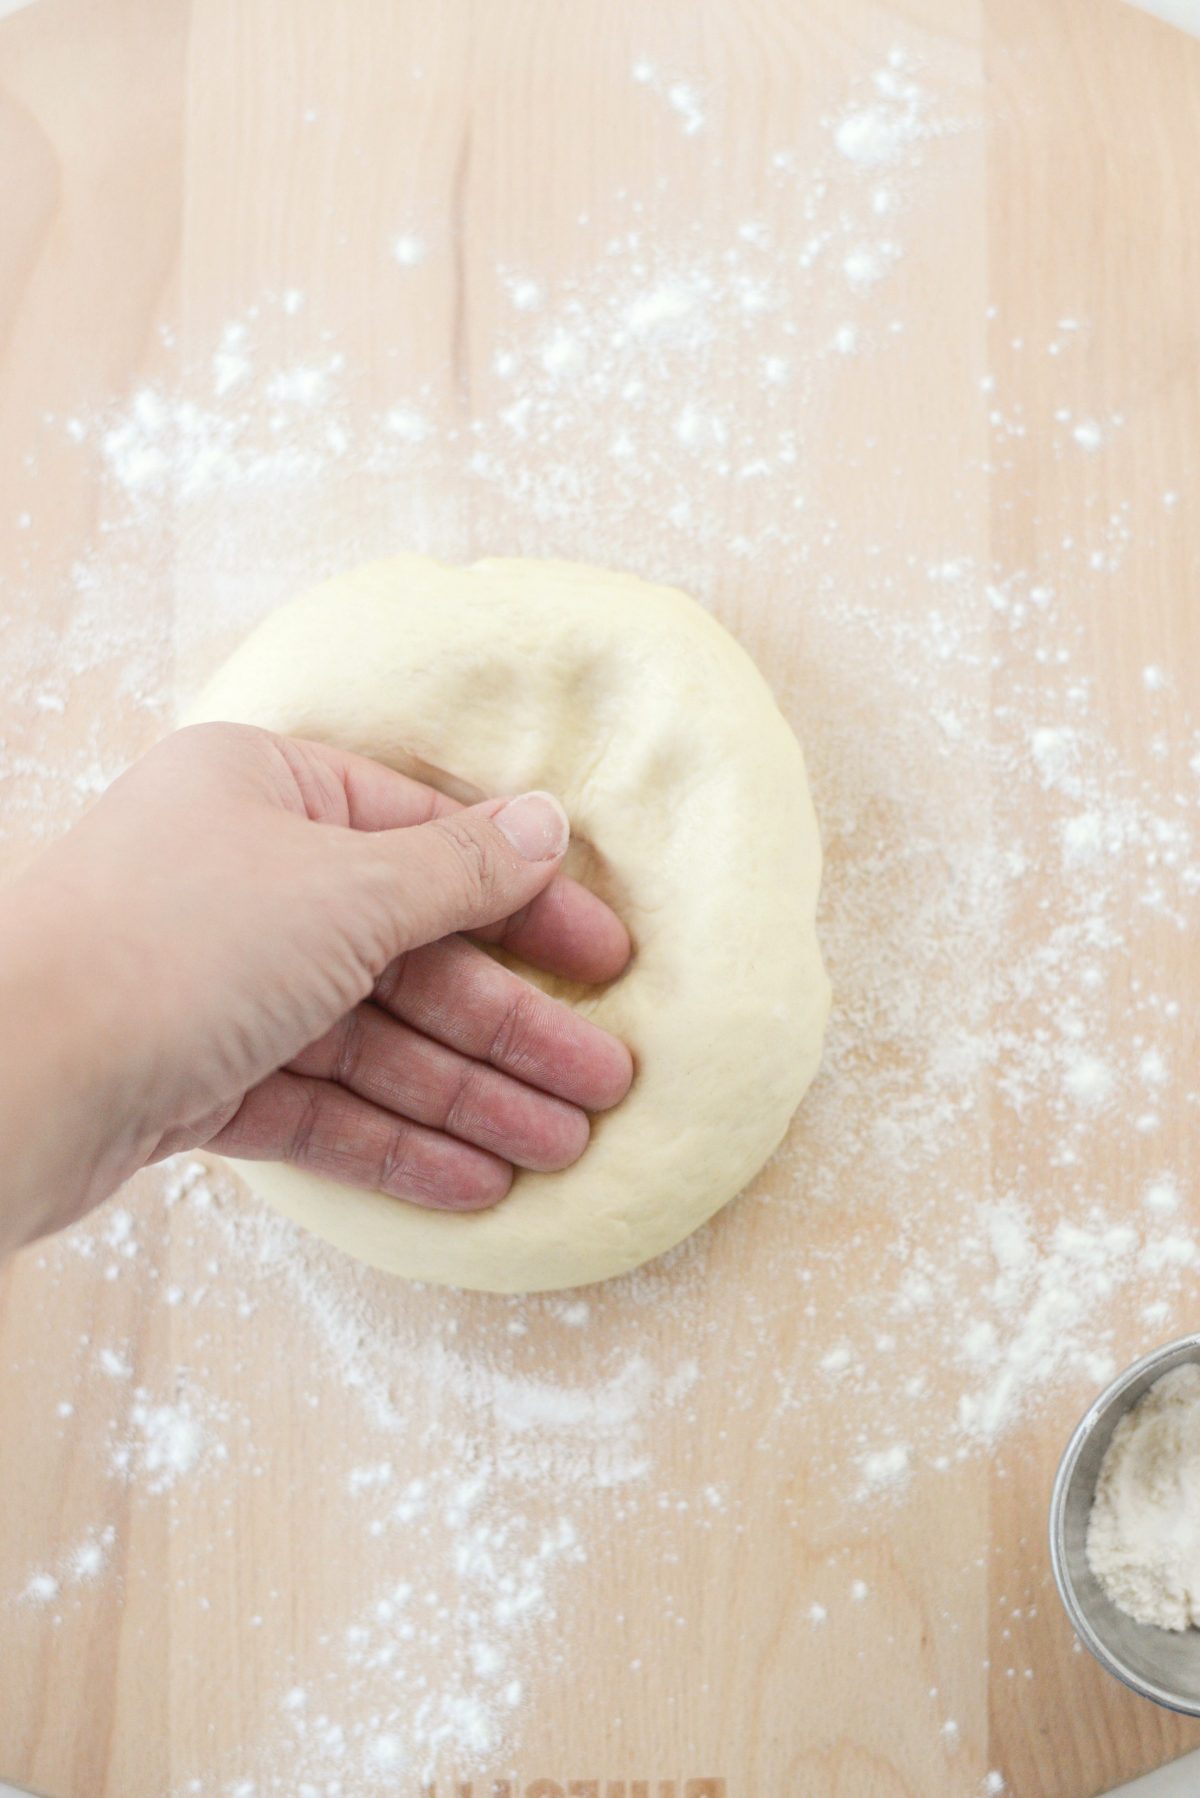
x=1080 y=1623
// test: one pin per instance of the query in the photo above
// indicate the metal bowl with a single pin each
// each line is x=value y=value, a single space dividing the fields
x=1161 y=1664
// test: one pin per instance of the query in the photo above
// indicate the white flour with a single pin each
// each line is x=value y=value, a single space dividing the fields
x=908 y=1281
x=168 y=1442
x=1143 y=1540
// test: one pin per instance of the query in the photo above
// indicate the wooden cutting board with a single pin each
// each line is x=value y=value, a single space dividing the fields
x=875 y=326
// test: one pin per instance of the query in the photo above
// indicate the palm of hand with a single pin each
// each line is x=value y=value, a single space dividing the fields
x=290 y=922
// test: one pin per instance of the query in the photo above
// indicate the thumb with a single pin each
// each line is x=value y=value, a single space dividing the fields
x=471 y=867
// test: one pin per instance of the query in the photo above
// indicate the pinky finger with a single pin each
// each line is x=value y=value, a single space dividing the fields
x=324 y=1129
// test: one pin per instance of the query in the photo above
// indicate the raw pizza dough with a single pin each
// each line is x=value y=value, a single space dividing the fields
x=690 y=813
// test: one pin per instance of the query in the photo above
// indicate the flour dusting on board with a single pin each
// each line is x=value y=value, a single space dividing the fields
x=909 y=1278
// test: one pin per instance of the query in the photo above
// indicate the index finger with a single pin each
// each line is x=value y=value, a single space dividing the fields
x=566 y=930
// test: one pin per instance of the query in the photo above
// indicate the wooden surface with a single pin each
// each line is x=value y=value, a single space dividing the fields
x=170 y=168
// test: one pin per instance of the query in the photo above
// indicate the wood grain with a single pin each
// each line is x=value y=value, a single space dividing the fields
x=171 y=167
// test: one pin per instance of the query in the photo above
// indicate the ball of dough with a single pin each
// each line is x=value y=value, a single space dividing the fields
x=690 y=814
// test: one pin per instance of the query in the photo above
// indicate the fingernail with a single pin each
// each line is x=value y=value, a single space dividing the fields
x=536 y=826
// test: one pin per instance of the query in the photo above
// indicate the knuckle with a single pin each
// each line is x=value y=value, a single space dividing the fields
x=474 y=854
x=395 y=1173
x=349 y=1049
x=301 y=1141
x=463 y=1111
x=509 y=1046
x=391 y=983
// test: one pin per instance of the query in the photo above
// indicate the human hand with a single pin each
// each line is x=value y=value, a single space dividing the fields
x=252 y=943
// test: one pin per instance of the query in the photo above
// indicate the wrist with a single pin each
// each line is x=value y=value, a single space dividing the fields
x=71 y=1121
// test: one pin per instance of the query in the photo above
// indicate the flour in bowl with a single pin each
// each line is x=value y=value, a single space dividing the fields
x=1143 y=1542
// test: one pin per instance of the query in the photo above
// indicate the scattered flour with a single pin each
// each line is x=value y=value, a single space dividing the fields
x=681 y=97
x=886 y=1466
x=885 y=129
x=408 y=250
x=82 y=1564
x=164 y=1443
x=42 y=1588
x=87 y=1560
